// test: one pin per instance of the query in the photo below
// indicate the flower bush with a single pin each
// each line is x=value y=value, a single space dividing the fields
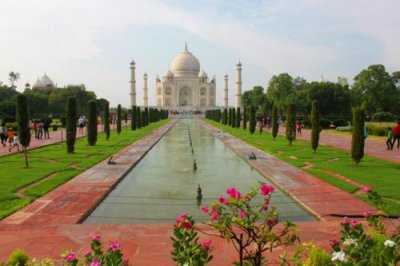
x=374 y=247
x=95 y=255
x=187 y=249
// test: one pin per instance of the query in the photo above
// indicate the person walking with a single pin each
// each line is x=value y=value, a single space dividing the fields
x=15 y=143
x=40 y=130
x=34 y=127
x=3 y=134
x=81 y=123
x=46 y=126
x=10 y=136
x=298 y=127
x=389 y=140
x=396 y=133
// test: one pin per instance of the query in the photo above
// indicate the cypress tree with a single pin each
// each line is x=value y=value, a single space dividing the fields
x=357 y=141
x=119 y=119
x=233 y=122
x=107 y=120
x=229 y=116
x=92 y=123
x=244 y=117
x=71 y=124
x=315 y=128
x=146 y=116
x=274 y=121
x=133 y=121
x=291 y=123
x=225 y=116
x=238 y=117
x=252 y=119
x=142 y=118
x=24 y=133
x=138 y=117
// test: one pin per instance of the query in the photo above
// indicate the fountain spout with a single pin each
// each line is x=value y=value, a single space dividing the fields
x=199 y=194
x=194 y=165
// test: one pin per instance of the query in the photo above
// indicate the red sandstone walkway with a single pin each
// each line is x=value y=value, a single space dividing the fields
x=373 y=147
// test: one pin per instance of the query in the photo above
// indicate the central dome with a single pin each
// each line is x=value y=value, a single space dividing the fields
x=185 y=65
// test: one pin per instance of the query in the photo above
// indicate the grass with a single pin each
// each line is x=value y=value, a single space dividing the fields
x=381 y=174
x=54 y=161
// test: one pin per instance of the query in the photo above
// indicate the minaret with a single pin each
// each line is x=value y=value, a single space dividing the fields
x=238 y=84
x=145 y=97
x=133 y=84
x=226 y=91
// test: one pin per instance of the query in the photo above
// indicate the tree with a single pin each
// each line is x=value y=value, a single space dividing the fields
x=357 y=139
x=92 y=123
x=225 y=117
x=24 y=133
x=101 y=105
x=238 y=117
x=274 y=121
x=119 y=119
x=71 y=117
x=13 y=77
x=280 y=89
x=133 y=121
x=233 y=122
x=146 y=116
x=138 y=117
x=315 y=129
x=107 y=120
x=291 y=123
x=376 y=90
x=252 y=117
x=244 y=117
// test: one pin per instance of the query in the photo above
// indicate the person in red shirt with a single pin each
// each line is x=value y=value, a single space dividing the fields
x=396 y=132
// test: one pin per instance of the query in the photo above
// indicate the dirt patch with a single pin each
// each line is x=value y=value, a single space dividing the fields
x=293 y=157
x=20 y=192
x=75 y=167
x=308 y=165
x=278 y=152
x=332 y=160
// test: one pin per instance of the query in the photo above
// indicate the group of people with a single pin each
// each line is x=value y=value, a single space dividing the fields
x=40 y=128
x=10 y=137
x=392 y=136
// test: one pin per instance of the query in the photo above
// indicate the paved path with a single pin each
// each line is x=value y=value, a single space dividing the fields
x=374 y=148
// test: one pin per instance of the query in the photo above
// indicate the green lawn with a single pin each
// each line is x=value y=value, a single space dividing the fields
x=54 y=160
x=372 y=172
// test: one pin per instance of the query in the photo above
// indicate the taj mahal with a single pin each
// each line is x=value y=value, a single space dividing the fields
x=186 y=85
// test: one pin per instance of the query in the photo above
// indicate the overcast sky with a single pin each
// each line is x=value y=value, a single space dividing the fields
x=93 y=41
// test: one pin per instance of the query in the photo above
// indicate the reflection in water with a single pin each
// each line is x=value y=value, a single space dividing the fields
x=164 y=185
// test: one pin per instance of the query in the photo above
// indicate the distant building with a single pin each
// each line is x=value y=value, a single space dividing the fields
x=44 y=83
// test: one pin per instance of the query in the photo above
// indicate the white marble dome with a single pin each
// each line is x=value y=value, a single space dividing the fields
x=185 y=65
x=47 y=82
x=168 y=74
x=203 y=74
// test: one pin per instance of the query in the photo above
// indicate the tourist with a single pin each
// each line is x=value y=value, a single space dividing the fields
x=3 y=134
x=298 y=127
x=81 y=123
x=396 y=131
x=35 y=129
x=40 y=130
x=10 y=136
x=46 y=126
x=365 y=133
x=15 y=143
x=389 y=140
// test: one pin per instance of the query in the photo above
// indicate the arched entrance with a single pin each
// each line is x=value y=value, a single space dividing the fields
x=185 y=97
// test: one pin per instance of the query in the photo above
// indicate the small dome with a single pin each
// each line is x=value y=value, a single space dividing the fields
x=169 y=74
x=38 y=84
x=203 y=74
x=185 y=65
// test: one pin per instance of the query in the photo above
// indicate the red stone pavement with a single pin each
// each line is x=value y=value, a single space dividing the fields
x=49 y=226
x=373 y=147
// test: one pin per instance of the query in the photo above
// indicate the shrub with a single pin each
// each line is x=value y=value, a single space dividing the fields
x=133 y=120
x=24 y=132
x=244 y=118
x=107 y=119
x=12 y=125
x=119 y=119
x=71 y=124
x=324 y=123
x=238 y=117
x=383 y=117
x=344 y=129
x=252 y=119
x=357 y=141
x=315 y=129
x=291 y=123
x=340 y=123
x=275 y=124
x=92 y=123
x=18 y=258
x=377 y=130
x=224 y=117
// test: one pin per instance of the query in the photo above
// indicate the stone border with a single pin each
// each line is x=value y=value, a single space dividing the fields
x=316 y=196
x=73 y=201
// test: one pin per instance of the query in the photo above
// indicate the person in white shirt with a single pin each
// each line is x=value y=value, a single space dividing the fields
x=15 y=143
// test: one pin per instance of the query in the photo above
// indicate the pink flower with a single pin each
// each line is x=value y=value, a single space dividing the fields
x=206 y=244
x=214 y=216
x=266 y=200
x=88 y=252
x=265 y=189
x=95 y=263
x=181 y=218
x=233 y=193
x=224 y=201
x=214 y=209
x=353 y=223
x=265 y=207
x=125 y=262
x=205 y=210
x=96 y=238
x=333 y=242
x=242 y=214
x=272 y=222
x=367 y=213
x=70 y=257
x=115 y=246
x=346 y=220
x=368 y=189
x=187 y=224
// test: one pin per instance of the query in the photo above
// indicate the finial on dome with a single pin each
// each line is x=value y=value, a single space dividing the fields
x=186 y=46
x=132 y=62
